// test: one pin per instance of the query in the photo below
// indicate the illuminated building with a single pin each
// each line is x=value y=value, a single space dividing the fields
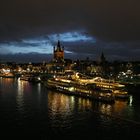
x=58 y=58
x=58 y=53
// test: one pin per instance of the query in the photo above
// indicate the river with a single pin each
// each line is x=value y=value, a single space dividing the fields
x=32 y=111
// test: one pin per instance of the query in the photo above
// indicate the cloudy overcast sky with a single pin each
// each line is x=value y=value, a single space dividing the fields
x=30 y=28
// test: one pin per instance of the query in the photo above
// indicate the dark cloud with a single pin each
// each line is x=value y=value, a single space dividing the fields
x=116 y=22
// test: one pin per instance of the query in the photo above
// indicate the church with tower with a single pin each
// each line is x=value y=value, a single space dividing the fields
x=58 y=58
x=58 y=53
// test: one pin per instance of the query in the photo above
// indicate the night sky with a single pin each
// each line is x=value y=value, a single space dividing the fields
x=29 y=29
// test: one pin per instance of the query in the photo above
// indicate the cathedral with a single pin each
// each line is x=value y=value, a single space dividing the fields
x=58 y=53
x=58 y=58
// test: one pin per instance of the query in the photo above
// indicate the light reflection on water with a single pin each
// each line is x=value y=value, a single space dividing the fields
x=61 y=103
x=38 y=108
x=66 y=107
x=20 y=94
x=66 y=111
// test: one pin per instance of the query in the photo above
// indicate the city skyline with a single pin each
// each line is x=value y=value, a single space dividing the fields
x=29 y=30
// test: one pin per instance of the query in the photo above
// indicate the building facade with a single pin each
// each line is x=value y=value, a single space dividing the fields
x=58 y=53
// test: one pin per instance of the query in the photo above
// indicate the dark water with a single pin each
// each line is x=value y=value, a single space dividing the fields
x=31 y=111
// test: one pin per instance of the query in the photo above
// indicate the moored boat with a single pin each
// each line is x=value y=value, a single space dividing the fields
x=119 y=90
x=7 y=75
x=74 y=87
x=31 y=78
x=25 y=77
x=121 y=94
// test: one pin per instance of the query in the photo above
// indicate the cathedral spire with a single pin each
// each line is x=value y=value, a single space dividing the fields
x=58 y=45
x=103 y=59
x=58 y=52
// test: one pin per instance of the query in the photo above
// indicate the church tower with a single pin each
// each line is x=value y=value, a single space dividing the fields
x=58 y=53
x=103 y=59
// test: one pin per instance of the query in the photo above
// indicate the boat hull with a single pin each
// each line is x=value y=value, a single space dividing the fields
x=80 y=91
